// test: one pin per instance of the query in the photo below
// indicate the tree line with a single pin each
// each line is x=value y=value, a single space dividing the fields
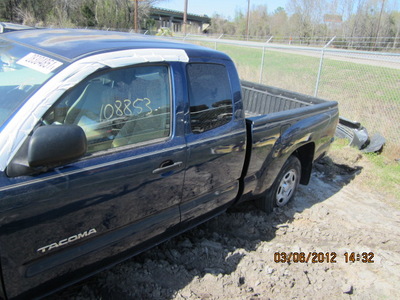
x=364 y=20
x=75 y=13
x=368 y=23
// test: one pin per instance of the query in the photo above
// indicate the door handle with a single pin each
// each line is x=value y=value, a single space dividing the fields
x=167 y=166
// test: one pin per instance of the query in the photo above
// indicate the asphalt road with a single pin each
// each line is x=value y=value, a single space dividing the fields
x=389 y=60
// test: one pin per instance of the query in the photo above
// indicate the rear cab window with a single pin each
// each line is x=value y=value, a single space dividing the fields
x=209 y=96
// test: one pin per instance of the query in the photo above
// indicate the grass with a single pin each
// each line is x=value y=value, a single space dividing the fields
x=371 y=81
x=379 y=173
x=387 y=174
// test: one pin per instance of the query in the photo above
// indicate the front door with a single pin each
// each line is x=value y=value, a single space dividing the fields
x=124 y=193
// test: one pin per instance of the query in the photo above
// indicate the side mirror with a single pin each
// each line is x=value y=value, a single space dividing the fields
x=48 y=147
x=56 y=145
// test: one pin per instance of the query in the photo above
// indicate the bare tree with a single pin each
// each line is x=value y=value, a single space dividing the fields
x=308 y=14
x=279 y=22
x=259 y=21
x=219 y=24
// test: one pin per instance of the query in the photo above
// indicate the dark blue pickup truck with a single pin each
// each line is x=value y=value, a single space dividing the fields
x=112 y=143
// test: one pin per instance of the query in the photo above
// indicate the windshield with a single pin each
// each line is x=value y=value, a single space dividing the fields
x=22 y=72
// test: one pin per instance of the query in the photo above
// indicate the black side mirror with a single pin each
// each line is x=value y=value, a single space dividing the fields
x=48 y=147
x=55 y=145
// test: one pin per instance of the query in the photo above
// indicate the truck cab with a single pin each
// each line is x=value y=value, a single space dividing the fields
x=109 y=150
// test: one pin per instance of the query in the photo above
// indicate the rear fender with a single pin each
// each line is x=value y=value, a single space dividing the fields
x=300 y=139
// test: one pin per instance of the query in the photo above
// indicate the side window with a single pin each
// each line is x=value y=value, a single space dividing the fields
x=117 y=108
x=209 y=95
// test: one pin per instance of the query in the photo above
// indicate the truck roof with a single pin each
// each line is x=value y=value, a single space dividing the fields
x=73 y=44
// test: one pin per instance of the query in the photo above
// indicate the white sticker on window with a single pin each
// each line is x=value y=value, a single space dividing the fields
x=39 y=63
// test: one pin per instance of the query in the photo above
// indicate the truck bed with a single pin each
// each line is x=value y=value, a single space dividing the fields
x=281 y=123
x=261 y=99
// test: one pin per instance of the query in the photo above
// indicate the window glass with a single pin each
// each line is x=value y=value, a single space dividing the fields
x=18 y=79
x=209 y=95
x=118 y=108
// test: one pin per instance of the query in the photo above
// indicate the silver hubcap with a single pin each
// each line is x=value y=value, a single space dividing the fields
x=286 y=187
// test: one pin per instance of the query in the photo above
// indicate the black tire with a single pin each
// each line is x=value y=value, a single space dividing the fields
x=284 y=187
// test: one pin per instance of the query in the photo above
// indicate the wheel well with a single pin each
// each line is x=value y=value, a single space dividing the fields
x=306 y=155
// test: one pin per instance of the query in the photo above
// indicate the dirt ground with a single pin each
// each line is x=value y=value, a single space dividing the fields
x=239 y=254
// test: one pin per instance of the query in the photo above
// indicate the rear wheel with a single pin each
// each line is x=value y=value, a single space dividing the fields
x=284 y=187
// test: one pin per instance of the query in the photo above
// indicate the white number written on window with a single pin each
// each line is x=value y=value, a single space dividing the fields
x=125 y=107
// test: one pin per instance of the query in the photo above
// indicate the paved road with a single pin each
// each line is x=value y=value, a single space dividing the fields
x=389 y=60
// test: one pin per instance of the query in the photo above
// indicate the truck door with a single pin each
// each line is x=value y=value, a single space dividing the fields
x=215 y=139
x=124 y=193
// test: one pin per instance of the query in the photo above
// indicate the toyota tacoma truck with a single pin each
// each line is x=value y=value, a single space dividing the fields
x=112 y=143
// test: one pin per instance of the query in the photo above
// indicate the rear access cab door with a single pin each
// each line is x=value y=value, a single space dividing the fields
x=215 y=136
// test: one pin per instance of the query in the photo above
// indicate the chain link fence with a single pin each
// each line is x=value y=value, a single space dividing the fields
x=366 y=84
x=383 y=44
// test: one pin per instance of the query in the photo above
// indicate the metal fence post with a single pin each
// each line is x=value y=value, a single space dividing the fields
x=262 y=59
x=320 y=66
x=216 y=41
x=262 y=64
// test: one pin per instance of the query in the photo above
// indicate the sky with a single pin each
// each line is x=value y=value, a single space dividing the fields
x=226 y=8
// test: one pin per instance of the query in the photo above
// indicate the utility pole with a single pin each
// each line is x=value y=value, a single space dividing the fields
x=185 y=17
x=379 y=23
x=136 y=18
x=248 y=19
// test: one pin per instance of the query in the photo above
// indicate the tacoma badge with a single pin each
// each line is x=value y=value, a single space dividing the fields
x=68 y=240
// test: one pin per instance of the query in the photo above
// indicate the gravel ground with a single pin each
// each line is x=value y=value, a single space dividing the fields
x=239 y=254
